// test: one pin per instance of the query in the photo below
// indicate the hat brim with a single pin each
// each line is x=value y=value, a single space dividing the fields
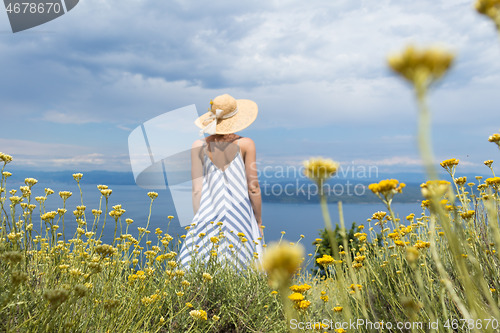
x=246 y=115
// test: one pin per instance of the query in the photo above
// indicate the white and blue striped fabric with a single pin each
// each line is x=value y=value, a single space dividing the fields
x=225 y=213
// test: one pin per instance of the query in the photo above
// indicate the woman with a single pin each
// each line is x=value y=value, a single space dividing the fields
x=226 y=193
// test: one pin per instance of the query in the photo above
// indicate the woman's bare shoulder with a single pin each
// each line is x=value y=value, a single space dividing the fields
x=246 y=145
x=198 y=143
x=246 y=142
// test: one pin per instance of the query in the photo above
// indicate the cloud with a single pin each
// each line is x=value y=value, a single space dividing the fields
x=309 y=66
x=332 y=52
x=66 y=118
x=18 y=147
x=58 y=156
x=94 y=160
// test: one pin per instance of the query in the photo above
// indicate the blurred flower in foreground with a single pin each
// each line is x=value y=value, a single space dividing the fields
x=490 y=8
x=434 y=188
x=421 y=67
x=280 y=261
x=320 y=169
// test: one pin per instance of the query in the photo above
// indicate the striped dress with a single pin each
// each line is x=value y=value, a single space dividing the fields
x=224 y=228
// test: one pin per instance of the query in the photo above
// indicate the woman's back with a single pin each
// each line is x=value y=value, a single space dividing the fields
x=224 y=223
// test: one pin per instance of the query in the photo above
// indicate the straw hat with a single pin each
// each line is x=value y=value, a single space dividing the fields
x=227 y=115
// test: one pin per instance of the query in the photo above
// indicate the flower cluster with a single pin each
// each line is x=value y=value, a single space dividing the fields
x=198 y=314
x=300 y=288
x=5 y=158
x=320 y=169
x=493 y=182
x=421 y=67
x=450 y=165
x=280 y=261
x=495 y=138
x=385 y=189
x=434 y=188
x=490 y=8
x=326 y=260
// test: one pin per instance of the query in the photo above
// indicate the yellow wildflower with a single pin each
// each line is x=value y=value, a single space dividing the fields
x=460 y=181
x=359 y=258
x=49 y=215
x=300 y=288
x=422 y=245
x=490 y=8
x=325 y=260
x=450 y=164
x=411 y=254
x=495 y=138
x=387 y=187
x=296 y=297
x=468 y=214
x=198 y=314
x=5 y=158
x=152 y=195
x=320 y=326
x=77 y=176
x=494 y=181
x=30 y=182
x=65 y=194
x=434 y=188
x=356 y=286
x=280 y=261
x=302 y=305
x=106 y=192
x=421 y=67
x=379 y=215
x=320 y=169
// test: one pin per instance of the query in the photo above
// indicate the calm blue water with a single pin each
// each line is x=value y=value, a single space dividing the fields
x=294 y=219
x=307 y=219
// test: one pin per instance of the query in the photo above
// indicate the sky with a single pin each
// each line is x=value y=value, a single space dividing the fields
x=73 y=89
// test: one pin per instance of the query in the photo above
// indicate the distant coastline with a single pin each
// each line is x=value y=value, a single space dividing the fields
x=274 y=190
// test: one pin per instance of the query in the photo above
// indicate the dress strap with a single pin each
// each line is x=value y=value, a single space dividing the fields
x=238 y=141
